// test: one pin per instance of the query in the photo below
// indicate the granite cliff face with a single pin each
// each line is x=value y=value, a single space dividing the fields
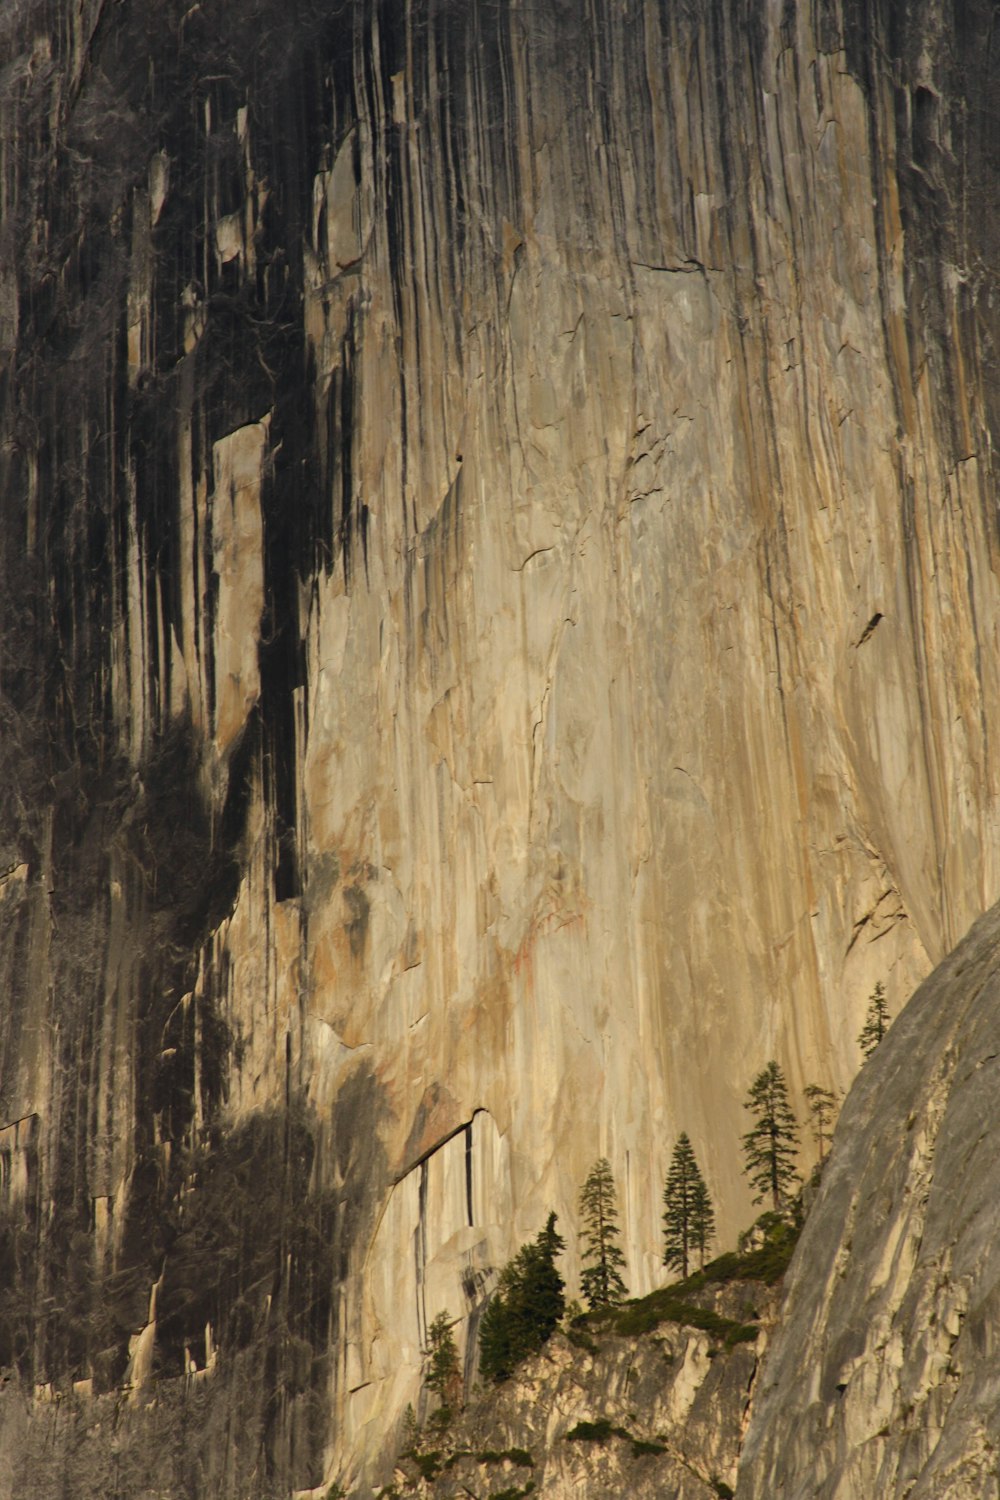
x=882 y=1379
x=498 y=640
x=604 y=1416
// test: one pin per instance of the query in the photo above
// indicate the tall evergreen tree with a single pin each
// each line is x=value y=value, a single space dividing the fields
x=409 y=1438
x=688 y=1220
x=770 y=1147
x=822 y=1107
x=443 y=1376
x=497 y=1355
x=526 y=1307
x=876 y=1021
x=703 y=1221
x=601 y=1280
x=542 y=1288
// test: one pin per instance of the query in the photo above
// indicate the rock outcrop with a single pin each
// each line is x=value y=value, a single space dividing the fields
x=659 y=1414
x=659 y=1407
x=882 y=1378
x=497 y=639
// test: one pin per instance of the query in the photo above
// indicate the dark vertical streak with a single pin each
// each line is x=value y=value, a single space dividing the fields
x=468 y=1172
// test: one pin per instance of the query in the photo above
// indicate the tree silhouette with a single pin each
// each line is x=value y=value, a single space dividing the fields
x=770 y=1147
x=542 y=1291
x=498 y=1351
x=703 y=1222
x=876 y=1021
x=822 y=1107
x=601 y=1281
x=443 y=1376
x=525 y=1308
x=688 y=1220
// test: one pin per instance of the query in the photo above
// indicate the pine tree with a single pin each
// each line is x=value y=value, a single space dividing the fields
x=443 y=1376
x=601 y=1281
x=688 y=1220
x=876 y=1021
x=409 y=1439
x=496 y=1345
x=770 y=1147
x=703 y=1221
x=822 y=1106
x=542 y=1288
x=526 y=1307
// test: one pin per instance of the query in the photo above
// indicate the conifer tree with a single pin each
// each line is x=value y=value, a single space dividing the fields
x=443 y=1377
x=703 y=1222
x=497 y=1356
x=770 y=1147
x=822 y=1106
x=876 y=1021
x=542 y=1288
x=525 y=1308
x=409 y=1440
x=688 y=1220
x=601 y=1281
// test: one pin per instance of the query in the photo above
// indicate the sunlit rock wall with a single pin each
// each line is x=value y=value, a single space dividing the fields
x=499 y=640
x=882 y=1379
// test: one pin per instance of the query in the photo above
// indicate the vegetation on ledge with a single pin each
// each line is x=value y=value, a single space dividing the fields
x=677 y=1303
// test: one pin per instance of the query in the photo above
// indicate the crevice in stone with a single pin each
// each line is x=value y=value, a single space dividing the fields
x=875 y=620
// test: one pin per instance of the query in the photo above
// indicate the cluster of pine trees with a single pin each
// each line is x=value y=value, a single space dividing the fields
x=526 y=1307
x=529 y=1302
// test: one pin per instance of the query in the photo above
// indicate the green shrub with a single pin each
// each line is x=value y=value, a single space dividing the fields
x=664 y=1307
x=577 y=1334
x=638 y=1319
x=742 y=1333
x=429 y=1464
x=519 y=1456
x=770 y=1262
x=724 y=1268
x=595 y=1432
x=453 y=1458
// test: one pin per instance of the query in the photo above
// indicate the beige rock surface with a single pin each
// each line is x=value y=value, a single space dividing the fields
x=527 y=545
x=654 y=726
x=882 y=1380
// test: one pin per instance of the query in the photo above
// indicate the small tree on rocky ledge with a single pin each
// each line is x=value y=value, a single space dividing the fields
x=770 y=1147
x=688 y=1220
x=601 y=1281
x=876 y=1021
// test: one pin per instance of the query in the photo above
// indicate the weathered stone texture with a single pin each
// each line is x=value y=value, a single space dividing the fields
x=499 y=634
x=882 y=1378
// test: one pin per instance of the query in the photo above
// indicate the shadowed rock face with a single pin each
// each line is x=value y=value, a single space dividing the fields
x=497 y=640
x=882 y=1379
